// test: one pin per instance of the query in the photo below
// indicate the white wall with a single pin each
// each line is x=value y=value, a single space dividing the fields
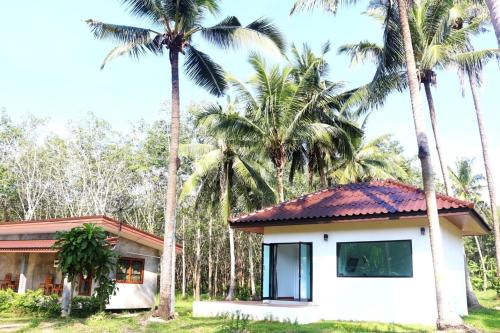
x=404 y=300
x=137 y=296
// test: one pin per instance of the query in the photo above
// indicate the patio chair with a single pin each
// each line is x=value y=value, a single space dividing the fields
x=57 y=288
x=47 y=285
x=14 y=285
x=6 y=281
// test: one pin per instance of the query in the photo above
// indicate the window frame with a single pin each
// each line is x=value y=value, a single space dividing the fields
x=375 y=276
x=129 y=270
x=272 y=268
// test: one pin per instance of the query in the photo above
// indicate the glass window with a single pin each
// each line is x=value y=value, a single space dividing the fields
x=130 y=270
x=305 y=271
x=375 y=259
x=266 y=270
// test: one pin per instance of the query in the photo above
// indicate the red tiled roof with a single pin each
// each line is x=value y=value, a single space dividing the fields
x=38 y=245
x=361 y=200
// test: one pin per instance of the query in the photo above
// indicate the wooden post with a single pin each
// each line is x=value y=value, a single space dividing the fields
x=21 y=289
x=67 y=295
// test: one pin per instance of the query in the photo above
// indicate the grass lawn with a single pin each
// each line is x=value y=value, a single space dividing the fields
x=486 y=319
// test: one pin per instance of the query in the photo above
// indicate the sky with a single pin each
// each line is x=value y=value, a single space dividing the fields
x=49 y=67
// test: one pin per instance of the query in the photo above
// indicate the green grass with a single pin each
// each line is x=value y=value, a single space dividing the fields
x=486 y=320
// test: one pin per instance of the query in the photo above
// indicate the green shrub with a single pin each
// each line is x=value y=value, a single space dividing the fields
x=6 y=298
x=35 y=303
x=82 y=307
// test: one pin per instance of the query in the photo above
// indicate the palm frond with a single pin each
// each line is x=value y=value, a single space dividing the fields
x=120 y=33
x=204 y=72
x=134 y=50
x=326 y=5
x=362 y=52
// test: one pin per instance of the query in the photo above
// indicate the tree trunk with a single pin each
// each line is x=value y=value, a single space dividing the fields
x=486 y=158
x=210 y=256
x=437 y=138
x=494 y=8
x=321 y=170
x=446 y=317
x=279 y=164
x=232 y=274
x=183 y=259
x=166 y=309
x=197 y=270
x=250 y=261
x=472 y=302
x=483 y=266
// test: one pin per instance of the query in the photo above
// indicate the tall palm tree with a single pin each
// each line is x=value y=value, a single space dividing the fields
x=436 y=45
x=312 y=153
x=468 y=186
x=175 y=23
x=446 y=317
x=225 y=171
x=472 y=67
x=276 y=116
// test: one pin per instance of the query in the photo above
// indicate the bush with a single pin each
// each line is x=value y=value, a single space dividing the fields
x=6 y=298
x=34 y=303
x=82 y=307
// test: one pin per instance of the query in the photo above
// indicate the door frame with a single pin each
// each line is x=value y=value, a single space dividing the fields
x=272 y=270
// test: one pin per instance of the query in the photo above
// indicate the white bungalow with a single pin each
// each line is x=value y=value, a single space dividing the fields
x=27 y=260
x=355 y=252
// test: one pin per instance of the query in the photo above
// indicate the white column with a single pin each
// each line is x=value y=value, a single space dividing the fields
x=67 y=294
x=22 y=273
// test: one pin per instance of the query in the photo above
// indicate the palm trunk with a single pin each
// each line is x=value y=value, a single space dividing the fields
x=250 y=262
x=321 y=170
x=226 y=210
x=446 y=317
x=437 y=139
x=487 y=164
x=494 y=8
x=197 y=270
x=210 y=256
x=472 y=301
x=483 y=266
x=183 y=259
x=279 y=164
x=166 y=309
x=232 y=271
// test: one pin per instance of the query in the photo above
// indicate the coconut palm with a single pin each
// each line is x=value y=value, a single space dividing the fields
x=313 y=154
x=174 y=24
x=446 y=317
x=226 y=172
x=473 y=68
x=436 y=46
x=276 y=115
x=468 y=186
x=371 y=160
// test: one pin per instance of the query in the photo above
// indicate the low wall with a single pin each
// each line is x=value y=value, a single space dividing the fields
x=301 y=314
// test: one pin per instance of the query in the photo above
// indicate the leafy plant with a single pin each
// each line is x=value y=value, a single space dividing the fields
x=85 y=251
x=32 y=302
x=82 y=307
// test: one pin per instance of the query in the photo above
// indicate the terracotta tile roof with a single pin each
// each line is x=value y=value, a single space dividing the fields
x=353 y=200
x=18 y=246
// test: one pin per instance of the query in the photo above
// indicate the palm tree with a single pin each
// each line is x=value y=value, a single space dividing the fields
x=224 y=170
x=446 y=317
x=435 y=43
x=179 y=22
x=276 y=116
x=314 y=154
x=371 y=160
x=468 y=186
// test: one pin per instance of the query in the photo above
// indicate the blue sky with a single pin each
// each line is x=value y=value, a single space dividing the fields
x=49 y=67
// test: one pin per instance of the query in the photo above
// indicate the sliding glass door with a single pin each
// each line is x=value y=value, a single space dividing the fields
x=287 y=271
